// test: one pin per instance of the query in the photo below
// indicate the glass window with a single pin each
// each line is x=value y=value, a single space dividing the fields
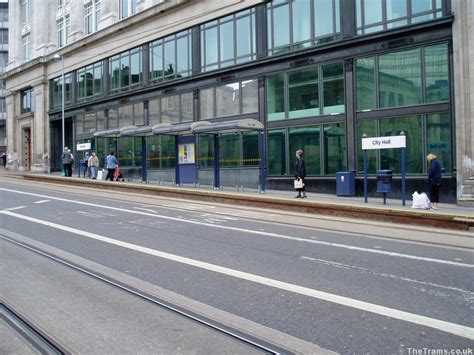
x=170 y=109
x=400 y=74
x=369 y=127
x=249 y=96
x=128 y=8
x=126 y=152
x=125 y=115
x=138 y=114
x=333 y=84
x=154 y=111
x=79 y=124
x=396 y=9
x=335 y=151
x=89 y=122
x=170 y=58
x=365 y=83
x=421 y=6
x=438 y=140
x=309 y=140
x=125 y=70
x=281 y=19
x=390 y=158
x=227 y=100
x=301 y=11
x=168 y=152
x=436 y=73
x=229 y=146
x=276 y=152
x=303 y=93
x=250 y=149
x=183 y=66
x=112 y=118
x=27 y=101
x=100 y=120
x=206 y=151
x=206 y=103
x=187 y=111
x=275 y=97
x=372 y=11
x=228 y=41
x=323 y=19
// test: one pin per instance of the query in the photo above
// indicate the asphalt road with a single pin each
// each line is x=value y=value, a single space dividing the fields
x=349 y=288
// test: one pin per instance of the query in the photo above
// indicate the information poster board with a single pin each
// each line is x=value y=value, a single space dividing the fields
x=186 y=153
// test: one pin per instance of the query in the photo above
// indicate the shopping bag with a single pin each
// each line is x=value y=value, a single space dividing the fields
x=100 y=175
x=421 y=201
x=299 y=184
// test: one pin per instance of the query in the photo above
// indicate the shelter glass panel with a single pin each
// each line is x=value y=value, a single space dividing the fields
x=206 y=151
x=125 y=154
x=250 y=149
x=229 y=146
x=168 y=153
x=153 y=152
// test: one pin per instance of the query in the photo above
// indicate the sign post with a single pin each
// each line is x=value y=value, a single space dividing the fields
x=384 y=143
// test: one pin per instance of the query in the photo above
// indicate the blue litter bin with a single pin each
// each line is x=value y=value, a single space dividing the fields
x=345 y=183
x=384 y=181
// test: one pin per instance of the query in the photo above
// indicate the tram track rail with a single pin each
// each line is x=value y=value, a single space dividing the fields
x=248 y=339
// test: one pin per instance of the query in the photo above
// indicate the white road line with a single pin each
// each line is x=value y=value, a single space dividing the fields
x=42 y=201
x=392 y=276
x=14 y=208
x=441 y=325
x=266 y=234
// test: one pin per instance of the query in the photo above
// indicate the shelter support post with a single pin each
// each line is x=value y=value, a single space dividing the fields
x=365 y=176
x=217 y=178
x=263 y=162
x=176 y=143
x=144 y=155
x=403 y=177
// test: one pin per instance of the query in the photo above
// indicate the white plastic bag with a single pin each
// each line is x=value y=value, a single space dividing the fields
x=421 y=201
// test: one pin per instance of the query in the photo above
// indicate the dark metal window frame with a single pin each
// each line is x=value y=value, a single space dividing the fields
x=96 y=92
x=126 y=54
x=27 y=103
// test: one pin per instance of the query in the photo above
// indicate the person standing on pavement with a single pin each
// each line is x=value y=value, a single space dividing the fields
x=434 y=180
x=112 y=164
x=4 y=160
x=93 y=165
x=67 y=162
x=300 y=173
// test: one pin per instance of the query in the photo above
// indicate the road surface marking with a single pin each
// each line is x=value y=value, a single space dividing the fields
x=14 y=208
x=392 y=276
x=42 y=201
x=447 y=327
x=250 y=231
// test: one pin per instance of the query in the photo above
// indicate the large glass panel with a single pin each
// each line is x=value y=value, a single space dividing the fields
x=154 y=111
x=125 y=70
x=89 y=76
x=153 y=152
x=438 y=140
x=114 y=73
x=156 y=54
x=303 y=93
x=275 y=97
x=227 y=41
x=323 y=17
x=229 y=146
x=206 y=103
x=138 y=114
x=400 y=78
x=372 y=11
x=250 y=149
x=335 y=151
x=250 y=96
x=421 y=6
x=227 y=100
x=243 y=35
x=210 y=46
x=98 y=79
x=365 y=83
x=281 y=30
x=396 y=9
x=136 y=68
x=112 y=118
x=368 y=127
x=183 y=56
x=100 y=120
x=187 y=107
x=301 y=21
x=307 y=139
x=126 y=115
x=276 y=152
x=170 y=57
x=436 y=73
x=170 y=109
x=206 y=151
x=333 y=85
x=89 y=122
x=390 y=158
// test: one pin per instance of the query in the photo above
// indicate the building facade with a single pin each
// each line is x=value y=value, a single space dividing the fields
x=318 y=74
x=3 y=66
